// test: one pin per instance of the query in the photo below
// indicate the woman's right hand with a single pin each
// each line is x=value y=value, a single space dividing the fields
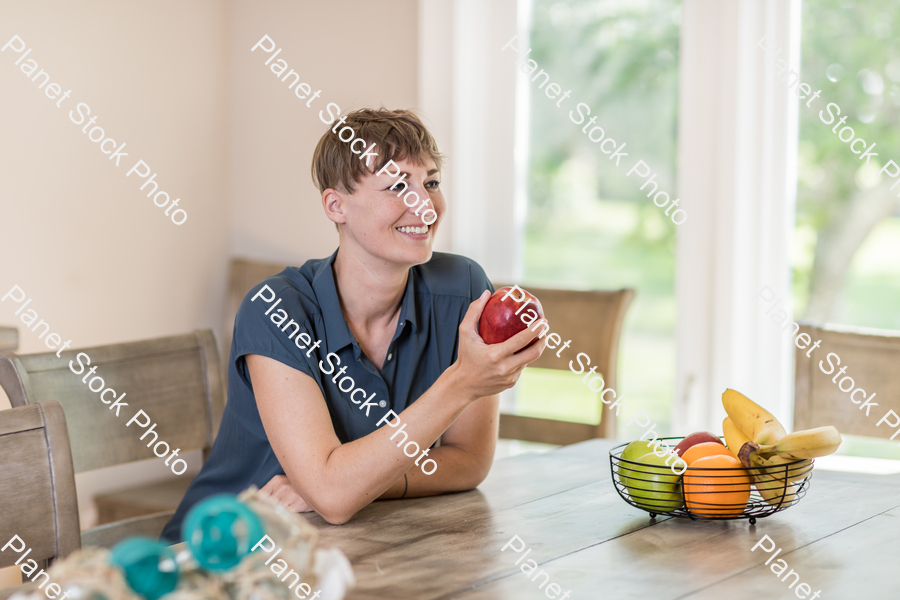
x=487 y=369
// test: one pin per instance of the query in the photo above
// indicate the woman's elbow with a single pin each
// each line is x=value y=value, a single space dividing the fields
x=475 y=478
x=334 y=514
x=330 y=505
x=336 y=517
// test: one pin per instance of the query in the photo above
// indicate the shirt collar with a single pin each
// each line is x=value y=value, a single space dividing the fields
x=337 y=333
x=408 y=307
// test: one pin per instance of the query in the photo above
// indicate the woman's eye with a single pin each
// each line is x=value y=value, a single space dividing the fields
x=431 y=185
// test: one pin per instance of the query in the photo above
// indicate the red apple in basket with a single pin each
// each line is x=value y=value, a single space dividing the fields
x=695 y=438
x=499 y=320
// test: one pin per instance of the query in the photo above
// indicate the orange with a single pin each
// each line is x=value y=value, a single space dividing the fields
x=716 y=494
x=705 y=449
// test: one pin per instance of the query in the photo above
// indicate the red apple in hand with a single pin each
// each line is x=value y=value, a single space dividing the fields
x=499 y=320
x=697 y=437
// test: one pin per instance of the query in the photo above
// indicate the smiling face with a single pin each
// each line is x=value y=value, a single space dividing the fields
x=375 y=220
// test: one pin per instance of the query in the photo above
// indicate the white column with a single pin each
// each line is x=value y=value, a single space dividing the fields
x=737 y=179
x=435 y=106
x=479 y=127
x=463 y=38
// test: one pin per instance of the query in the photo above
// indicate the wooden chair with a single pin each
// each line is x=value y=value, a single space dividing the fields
x=9 y=339
x=37 y=485
x=243 y=275
x=872 y=358
x=593 y=321
x=175 y=380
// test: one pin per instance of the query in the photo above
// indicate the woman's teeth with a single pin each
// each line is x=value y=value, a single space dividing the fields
x=418 y=230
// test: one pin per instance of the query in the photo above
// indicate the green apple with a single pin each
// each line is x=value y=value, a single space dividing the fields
x=653 y=488
x=633 y=452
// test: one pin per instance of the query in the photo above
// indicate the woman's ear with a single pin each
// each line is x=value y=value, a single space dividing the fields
x=334 y=203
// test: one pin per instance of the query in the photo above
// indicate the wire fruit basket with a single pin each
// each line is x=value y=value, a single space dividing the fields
x=706 y=493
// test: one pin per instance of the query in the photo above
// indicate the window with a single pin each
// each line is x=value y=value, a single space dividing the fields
x=588 y=226
x=848 y=220
x=847 y=233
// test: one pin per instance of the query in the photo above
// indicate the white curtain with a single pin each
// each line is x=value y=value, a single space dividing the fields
x=737 y=141
x=736 y=179
x=473 y=113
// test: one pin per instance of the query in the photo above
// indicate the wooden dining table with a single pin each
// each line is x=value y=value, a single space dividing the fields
x=841 y=538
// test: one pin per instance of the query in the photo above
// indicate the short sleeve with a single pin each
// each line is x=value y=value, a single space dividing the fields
x=478 y=281
x=278 y=335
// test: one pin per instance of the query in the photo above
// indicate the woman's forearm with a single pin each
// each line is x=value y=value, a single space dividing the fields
x=457 y=471
x=337 y=479
x=354 y=474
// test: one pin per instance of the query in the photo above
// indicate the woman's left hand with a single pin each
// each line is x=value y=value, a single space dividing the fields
x=280 y=488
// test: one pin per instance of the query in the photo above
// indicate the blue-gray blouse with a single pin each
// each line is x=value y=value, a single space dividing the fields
x=285 y=316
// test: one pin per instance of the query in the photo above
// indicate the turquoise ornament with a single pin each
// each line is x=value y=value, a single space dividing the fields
x=149 y=566
x=220 y=532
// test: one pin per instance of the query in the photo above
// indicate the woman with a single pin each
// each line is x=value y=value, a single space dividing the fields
x=323 y=352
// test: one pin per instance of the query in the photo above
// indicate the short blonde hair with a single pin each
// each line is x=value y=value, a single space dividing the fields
x=398 y=135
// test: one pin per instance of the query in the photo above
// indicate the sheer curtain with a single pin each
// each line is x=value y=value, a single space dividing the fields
x=473 y=111
x=736 y=179
x=737 y=175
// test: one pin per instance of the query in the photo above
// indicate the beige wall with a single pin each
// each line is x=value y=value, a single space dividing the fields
x=360 y=54
x=100 y=261
x=177 y=82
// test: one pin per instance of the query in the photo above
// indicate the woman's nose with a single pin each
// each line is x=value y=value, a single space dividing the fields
x=416 y=197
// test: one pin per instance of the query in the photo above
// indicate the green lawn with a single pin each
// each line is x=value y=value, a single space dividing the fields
x=647 y=369
x=593 y=245
x=872 y=290
x=872 y=287
x=854 y=445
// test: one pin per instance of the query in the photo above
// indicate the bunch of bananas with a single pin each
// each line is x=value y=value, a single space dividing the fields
x=759 y=440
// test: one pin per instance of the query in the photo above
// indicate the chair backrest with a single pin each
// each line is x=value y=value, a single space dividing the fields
x=243 y=275
x=37 y=483
x=592 y=319
x=175 y=380
x=872 y=358
x=9 y=339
